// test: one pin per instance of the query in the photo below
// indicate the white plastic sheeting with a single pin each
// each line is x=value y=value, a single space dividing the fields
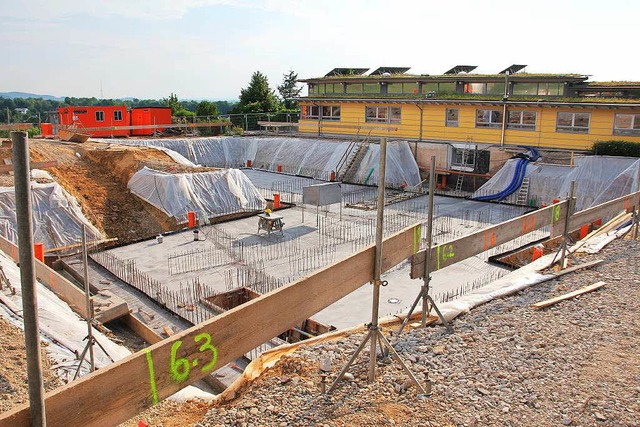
x=598 y=179
x=209 y=194
x=57 y=217
x=309 y=157
x=64 y=331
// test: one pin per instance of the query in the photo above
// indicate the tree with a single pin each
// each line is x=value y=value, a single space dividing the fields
x=258 y=96
x=289 y=90
x=206 y=108
x=172 y=102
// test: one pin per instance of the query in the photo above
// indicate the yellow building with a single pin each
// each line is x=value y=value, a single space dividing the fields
x=505 y=109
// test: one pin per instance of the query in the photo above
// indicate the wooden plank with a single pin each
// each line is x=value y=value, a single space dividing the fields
x=77 y=245
x=587 y=216
x=114 y=394
x=583 y=290
x=33 y=165
x=453 y=251
x=63 y=288
x=578 y=267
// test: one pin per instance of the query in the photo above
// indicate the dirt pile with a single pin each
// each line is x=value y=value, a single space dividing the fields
x=97 y=175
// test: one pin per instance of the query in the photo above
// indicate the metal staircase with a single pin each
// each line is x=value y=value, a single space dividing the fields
x=523 y=193
x=350 y=160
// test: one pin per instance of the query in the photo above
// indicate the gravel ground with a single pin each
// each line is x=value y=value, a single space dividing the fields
x=575 y=363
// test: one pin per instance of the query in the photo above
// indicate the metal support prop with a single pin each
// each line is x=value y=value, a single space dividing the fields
x=374 y=334
x=20 y=143
x=87 y=295
x=427 y=301
x=565 y=234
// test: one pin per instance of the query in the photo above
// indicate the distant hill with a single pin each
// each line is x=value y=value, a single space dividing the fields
x=14 y=95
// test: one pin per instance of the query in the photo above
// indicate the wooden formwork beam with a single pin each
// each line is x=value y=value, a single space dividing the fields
x=116 y=393
x=448 y=253
x=454 y=251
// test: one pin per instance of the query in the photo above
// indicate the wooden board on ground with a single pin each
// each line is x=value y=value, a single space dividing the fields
x=583 y=290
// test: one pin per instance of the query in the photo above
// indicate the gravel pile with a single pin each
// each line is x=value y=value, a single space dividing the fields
x=575 y=363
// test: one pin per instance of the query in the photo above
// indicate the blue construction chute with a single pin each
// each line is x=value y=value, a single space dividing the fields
x=521 y=170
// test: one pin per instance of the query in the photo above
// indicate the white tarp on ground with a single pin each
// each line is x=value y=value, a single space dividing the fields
x=598 y=179
x=57 y=217
x=64 y=331
x=309 y=157
x=209 y=194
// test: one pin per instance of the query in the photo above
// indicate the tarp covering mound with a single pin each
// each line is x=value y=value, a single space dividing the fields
x=57 y=217
x=598 y=179
x=209 y=194
x=309 y=157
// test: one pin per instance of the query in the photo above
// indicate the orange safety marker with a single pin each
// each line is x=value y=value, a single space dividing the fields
x=538 y=251
x=584 y=230
x=279 y=168
x=192 y=218
x=38 y=251
x=597 y=223
x=276 y=201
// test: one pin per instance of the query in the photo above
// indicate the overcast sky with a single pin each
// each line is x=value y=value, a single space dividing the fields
x=210 y=48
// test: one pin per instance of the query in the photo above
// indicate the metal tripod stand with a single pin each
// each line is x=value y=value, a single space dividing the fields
x=563 y=250
x=90 y=338
x=374 y=335
x=427 y=302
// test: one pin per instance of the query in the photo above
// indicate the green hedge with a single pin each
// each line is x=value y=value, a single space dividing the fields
x=31 y=131
x=616 y=148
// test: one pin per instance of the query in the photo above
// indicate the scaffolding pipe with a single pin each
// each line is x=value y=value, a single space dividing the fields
x=20 y=143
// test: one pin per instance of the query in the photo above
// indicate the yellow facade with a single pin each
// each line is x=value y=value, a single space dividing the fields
x=426 y=122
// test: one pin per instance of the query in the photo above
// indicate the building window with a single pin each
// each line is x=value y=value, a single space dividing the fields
x=525 y=120
x=525 y=88
x=488 y=118
x=310 y=112
x=327 y=112
x=475 y=88
x=117 y=116
x=383 y=114
x=331 y=112
x=551 y=89
x=463 y=158
x=452 y=118
x=573 y=122
x=371 y=88
x=354 y=88
x=626 y=124
x=99 y=116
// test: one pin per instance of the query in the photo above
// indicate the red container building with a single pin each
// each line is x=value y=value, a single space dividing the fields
x=96 y=117
x=142 y=116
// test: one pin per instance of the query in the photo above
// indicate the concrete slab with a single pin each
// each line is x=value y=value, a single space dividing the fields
x=236 y=253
